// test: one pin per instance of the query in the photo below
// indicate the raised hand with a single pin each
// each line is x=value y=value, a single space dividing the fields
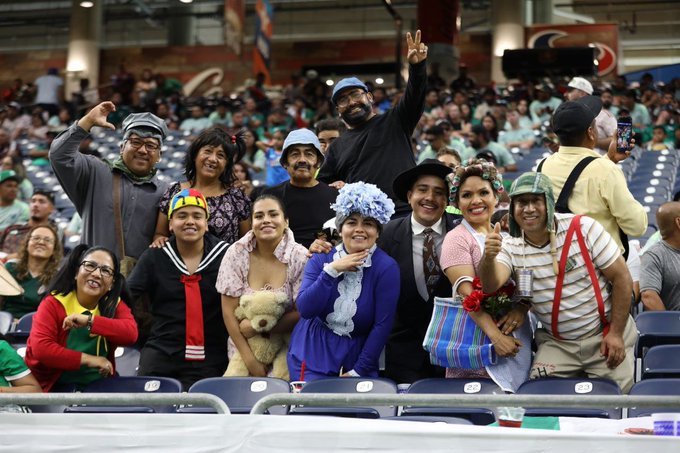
x=492 y=245
x=97 y=116
x=417 y=51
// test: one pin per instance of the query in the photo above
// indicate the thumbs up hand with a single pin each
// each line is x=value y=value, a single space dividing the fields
x=492 y=245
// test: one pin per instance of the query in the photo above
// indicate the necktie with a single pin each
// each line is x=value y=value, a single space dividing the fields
x=431 y=268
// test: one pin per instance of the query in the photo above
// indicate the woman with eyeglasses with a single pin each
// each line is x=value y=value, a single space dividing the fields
x=39 y=256
x=81 y=322
x=209 y=168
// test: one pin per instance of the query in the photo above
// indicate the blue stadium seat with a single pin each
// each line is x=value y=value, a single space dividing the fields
x=357 y=385
x=239 y=393
x=23 y=328
x=129 y=384
x=655 y=328
x=571 y=386
x=478 y=416
x=668 y=386
x=127 y=361
x=662 y=361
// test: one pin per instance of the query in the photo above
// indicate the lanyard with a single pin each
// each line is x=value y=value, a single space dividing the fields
x=575 y=225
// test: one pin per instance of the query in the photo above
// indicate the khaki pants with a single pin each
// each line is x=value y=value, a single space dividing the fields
x=576 y=358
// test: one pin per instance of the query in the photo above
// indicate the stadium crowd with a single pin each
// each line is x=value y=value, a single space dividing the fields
x=353 y=207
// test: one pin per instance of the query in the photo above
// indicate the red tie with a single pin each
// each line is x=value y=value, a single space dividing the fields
x=195 y=341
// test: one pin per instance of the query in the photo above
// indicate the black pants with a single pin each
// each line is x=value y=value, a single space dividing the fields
x=157 y=363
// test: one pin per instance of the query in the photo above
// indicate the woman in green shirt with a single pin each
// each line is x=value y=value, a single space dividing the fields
x=39 y=257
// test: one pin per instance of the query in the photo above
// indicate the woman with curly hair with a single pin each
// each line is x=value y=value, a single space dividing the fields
x=39 y=257
x=209 y=168
x=474 y=189
x=348 y=296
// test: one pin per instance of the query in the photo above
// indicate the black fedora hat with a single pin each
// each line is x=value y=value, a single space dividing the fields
x=405 y=180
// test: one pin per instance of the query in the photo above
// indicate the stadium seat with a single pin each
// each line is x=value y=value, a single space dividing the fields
x=571 y=386
x=662 y=361
x=6 y=320
x=23 y=328
x=356 y=385
x=239 y=393
x=668 y=386
x=129 y=384
x=455 y=386
x=127 y=361
x=655 y=328
x=425 y=419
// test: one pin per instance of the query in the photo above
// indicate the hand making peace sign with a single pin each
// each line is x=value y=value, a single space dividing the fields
x=417 y=51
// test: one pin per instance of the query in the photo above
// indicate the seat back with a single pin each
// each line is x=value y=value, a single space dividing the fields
x=127 y=361
x=6 y=320
x=656 y=328
x=667 y=386
x=357 y=385
x=23 y=327
x=130 y=384
x=662 y=361
x=575 y=387
x=241 y=393
x=455 y=386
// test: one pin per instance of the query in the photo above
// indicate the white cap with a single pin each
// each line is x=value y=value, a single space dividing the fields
x=581 y=84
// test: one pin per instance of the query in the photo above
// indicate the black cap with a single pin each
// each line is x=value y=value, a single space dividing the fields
x=575 y=117
x=405 y=180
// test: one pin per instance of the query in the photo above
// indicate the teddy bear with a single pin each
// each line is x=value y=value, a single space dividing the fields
x=263 y=309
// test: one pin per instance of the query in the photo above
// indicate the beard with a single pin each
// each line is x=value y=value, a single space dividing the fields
x=606 y=105
x=357 y=118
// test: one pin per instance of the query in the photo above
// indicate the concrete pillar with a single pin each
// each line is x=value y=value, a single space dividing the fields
x=543 y=12
x=181 y=25
x=82 y=61
x=507 y=25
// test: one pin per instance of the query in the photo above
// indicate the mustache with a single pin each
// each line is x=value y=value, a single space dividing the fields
x=300 y=165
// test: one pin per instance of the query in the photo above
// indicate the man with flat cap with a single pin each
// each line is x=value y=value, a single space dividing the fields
x=599 y=190
x=116 y=199
x=415 y=243
x=376 y=148
x=604 y=121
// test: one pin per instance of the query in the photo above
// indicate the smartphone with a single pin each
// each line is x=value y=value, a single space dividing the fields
x=624 y=133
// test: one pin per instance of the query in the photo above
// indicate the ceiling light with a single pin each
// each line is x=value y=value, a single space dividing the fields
x=379 y=81
x=329 y=82
x=186 y=1
x=87 y=4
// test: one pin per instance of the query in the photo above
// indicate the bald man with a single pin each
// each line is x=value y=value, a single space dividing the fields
x=660 y=278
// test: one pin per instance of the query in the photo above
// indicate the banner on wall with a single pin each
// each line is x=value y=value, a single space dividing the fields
x=234 y=20
x=264 y=14
x=604 y=37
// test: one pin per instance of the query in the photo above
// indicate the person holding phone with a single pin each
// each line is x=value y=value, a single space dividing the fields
x=600 y=191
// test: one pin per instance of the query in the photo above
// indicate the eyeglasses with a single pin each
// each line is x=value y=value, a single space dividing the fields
x=354 y=96
x=104 y=270
x=150 y=145
x=36 y=239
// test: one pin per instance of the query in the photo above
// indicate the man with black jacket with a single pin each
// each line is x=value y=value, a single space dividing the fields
x=376 y=148
x=425 y=190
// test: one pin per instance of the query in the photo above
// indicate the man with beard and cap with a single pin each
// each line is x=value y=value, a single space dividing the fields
x=605 y=121
x=90 y=183
x=307 y=201
x=599 y=190
x=425 y=189
x=376 y=148
x=573 y=276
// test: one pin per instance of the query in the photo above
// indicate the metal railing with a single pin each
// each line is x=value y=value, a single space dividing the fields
x=115 y=399
x=473 y=401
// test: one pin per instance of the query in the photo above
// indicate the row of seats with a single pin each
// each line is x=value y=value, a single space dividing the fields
x=241 y=394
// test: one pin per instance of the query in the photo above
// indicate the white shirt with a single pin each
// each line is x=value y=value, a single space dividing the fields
x=418 y=243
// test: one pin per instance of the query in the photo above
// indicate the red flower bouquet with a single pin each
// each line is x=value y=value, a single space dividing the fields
x=496 y=304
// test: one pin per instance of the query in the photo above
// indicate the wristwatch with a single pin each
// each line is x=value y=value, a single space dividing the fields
x=89 y=321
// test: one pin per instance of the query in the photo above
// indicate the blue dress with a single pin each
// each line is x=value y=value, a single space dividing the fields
x=345 y=321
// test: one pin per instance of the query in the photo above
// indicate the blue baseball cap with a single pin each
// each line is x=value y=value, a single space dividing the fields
x=300 y=137
x=349 y=82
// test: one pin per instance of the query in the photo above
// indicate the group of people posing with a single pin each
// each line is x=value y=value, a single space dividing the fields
x=365 y=285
